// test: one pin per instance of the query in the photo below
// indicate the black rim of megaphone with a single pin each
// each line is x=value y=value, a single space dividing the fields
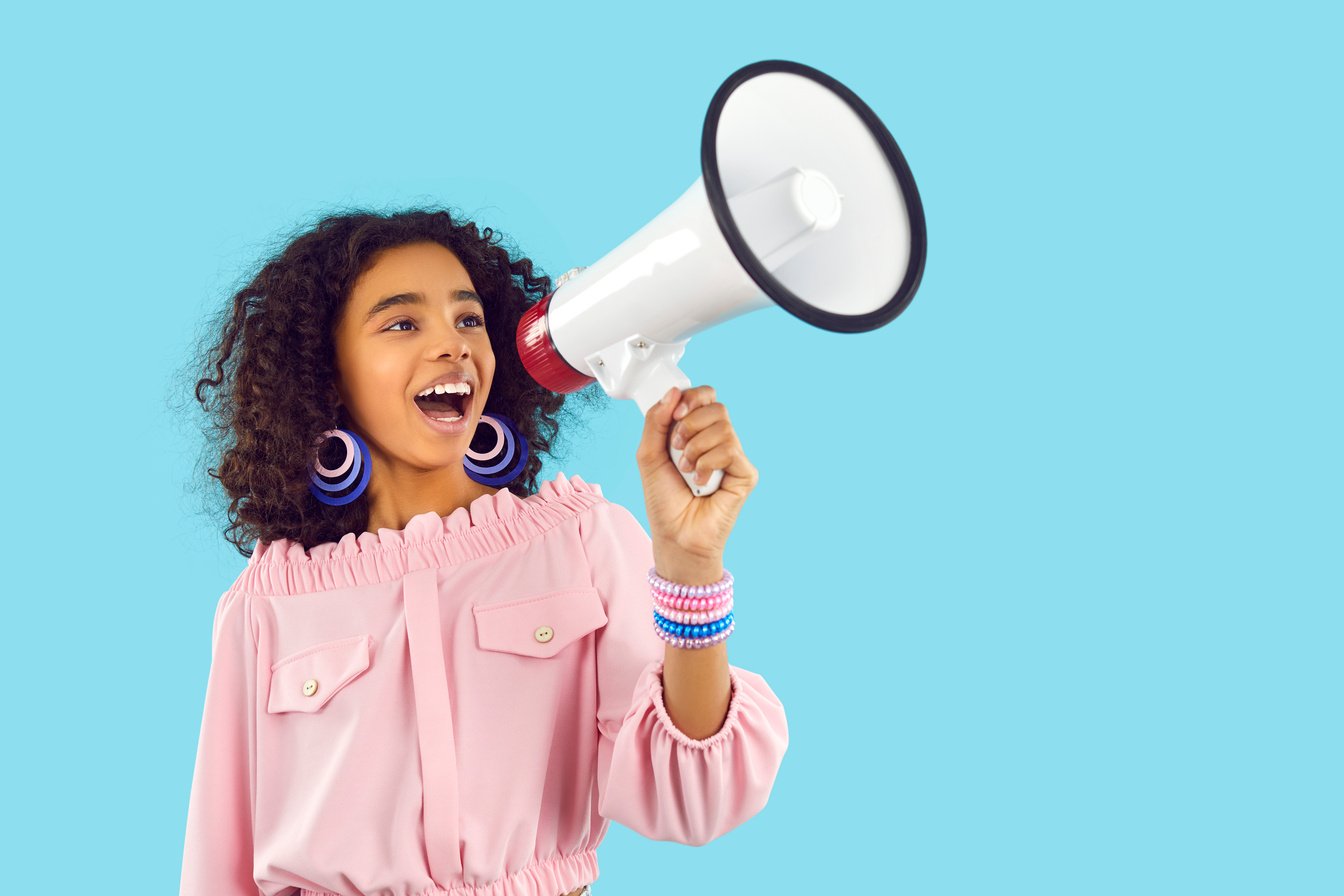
x=718 y=201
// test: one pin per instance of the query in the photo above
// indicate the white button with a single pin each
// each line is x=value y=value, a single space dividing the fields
x=543 y=634
x=310 y=687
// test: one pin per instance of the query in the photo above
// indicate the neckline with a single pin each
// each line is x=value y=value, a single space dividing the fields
x=483 y=514
x=474 y=510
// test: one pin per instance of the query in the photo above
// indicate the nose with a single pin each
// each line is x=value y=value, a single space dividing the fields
x=452 y=344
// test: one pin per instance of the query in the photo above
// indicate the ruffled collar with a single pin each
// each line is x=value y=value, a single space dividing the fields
x=490 y=522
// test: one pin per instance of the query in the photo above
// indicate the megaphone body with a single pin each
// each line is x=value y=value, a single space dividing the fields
x=804 y=202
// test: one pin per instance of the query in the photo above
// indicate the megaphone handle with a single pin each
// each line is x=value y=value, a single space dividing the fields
x=658 y=373
x=709 y=488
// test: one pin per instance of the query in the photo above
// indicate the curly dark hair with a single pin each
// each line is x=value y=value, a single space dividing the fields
x=269 y=356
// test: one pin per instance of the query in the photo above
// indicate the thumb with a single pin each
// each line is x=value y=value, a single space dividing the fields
x=657 y=422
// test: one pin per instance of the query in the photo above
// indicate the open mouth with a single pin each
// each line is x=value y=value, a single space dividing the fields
x=445 y=407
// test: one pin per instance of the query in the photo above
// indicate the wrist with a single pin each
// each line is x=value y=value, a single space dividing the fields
x=687 y=569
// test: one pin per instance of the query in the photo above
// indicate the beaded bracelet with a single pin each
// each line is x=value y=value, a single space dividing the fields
x=689 y=618
x=692 y=603
x=693 y=631
x=678 y=589
x=692 y=616
x=693 y=643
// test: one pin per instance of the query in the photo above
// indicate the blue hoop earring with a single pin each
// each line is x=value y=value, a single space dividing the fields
x=502 y=463
x=328 y=481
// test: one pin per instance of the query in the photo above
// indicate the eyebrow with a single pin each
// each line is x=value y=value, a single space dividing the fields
x=415 y=298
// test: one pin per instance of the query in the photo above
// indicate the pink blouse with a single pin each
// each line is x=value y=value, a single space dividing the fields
x=458 y=706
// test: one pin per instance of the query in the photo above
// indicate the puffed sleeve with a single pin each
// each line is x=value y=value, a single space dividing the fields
x=651 y=777
x=217 y=854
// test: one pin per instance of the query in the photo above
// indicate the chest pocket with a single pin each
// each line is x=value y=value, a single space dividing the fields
x=304 y=681
x=541 y=625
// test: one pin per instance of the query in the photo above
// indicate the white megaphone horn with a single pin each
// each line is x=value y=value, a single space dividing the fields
x=805 y=202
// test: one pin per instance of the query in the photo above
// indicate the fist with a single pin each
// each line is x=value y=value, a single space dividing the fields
x=698 y=425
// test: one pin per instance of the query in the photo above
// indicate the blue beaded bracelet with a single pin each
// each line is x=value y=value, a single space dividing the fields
x=692 y=643
x=692 y=631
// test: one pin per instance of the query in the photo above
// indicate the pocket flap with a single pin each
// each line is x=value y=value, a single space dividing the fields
x=542 y=625
x=305 y=681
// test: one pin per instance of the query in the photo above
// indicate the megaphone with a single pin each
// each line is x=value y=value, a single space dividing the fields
x=804 y=202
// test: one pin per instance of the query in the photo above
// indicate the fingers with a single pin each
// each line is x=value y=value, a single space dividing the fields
x=722 y=451
x=718 y=432
x=692 y=399
x=695 y=421
x=710 y=449
x=703 y=433
x=730 y=460
x=652 y=448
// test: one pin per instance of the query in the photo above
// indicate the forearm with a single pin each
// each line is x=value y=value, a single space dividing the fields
x=696 y=686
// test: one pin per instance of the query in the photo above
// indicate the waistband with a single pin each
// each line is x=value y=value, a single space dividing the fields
x=555 y=877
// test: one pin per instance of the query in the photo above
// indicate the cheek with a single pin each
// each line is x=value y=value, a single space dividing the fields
x=375 y=379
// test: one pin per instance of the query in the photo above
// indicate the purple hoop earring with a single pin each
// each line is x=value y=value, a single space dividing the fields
x=327 y=482
x=502 y=463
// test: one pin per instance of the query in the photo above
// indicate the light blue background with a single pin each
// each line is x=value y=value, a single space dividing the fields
x=1069 y=622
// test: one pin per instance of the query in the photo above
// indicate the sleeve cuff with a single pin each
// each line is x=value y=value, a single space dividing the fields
x=730 y=722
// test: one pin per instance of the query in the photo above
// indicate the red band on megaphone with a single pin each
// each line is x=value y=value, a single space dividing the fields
x=542 y=360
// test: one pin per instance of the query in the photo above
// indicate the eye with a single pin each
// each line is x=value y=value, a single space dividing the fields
x=391 y=328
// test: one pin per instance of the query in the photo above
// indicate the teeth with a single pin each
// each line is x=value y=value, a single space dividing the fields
x=441 y=388
x=447 y=419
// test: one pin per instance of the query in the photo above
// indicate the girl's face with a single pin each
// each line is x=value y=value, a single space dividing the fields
x=413 y=316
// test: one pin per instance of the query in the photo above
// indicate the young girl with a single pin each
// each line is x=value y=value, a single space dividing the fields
x=433 y=676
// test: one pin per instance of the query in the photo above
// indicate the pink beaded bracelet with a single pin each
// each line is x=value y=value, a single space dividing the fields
x=691 y=603
x=679 y=590
x=690 y=618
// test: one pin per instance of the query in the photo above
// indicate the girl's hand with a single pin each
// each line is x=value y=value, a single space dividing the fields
x=691 y=527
